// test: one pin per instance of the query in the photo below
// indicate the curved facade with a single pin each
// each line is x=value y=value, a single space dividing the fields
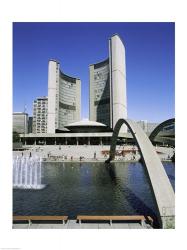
x=64 y=93
x=100 y=92
x=108 y=102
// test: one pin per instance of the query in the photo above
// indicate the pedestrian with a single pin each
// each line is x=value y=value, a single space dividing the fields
x=94 y=155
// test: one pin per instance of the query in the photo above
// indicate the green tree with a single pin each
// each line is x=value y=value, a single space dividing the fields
x=16 y=137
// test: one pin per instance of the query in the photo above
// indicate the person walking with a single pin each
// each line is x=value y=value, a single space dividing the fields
x=94 y=155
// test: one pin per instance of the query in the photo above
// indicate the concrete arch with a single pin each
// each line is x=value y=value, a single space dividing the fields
x=160 y=184
x=159 y=128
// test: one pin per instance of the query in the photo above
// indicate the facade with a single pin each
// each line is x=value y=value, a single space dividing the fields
x=71 y=138
x=143 y=124
x=151 y=126
x=108 y=101
x=40 y=108
x=20 y=122
x=147 y=127
x=64 y=98
x=170 y=127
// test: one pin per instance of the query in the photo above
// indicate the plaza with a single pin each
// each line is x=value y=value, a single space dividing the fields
x=55 y=165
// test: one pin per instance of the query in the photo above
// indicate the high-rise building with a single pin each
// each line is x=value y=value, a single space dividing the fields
x=108 y=101
x=64 y=98
x=20 y=122
x=40 y=107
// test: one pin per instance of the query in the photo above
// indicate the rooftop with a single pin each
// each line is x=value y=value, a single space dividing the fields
x=87 y=123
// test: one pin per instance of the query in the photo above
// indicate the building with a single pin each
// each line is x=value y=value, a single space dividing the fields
x=108 y=99
x=64 y=98
x=143 y=124
x=151 y=126
x=40 y=108
x=30 y=123
x=20 y=122
x=148 y=127
x=83 y=132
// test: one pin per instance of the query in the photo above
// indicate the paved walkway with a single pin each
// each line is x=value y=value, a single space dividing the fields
x=72 y=224
x=86 y=151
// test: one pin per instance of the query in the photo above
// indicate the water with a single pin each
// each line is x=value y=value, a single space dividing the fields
x=27 y=173
x=90 y=189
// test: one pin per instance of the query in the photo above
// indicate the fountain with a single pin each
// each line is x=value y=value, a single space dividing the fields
x=27 y=173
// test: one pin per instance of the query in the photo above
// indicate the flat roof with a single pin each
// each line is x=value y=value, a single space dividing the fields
x=20 y=113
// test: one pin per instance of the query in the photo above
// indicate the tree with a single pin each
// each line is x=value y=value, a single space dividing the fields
x=16 y=137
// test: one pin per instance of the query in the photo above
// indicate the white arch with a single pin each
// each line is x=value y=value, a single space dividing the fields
x=161 y=187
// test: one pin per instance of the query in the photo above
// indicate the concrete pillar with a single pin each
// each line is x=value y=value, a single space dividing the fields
x=34 y=141
x=44 y=141
x=88 y=140
x=101 y=142
x=66 y=141
x=77 y=140
x=55 y=140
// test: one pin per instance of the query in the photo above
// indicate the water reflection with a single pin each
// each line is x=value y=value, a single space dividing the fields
x=90 y=188
x=138 y=204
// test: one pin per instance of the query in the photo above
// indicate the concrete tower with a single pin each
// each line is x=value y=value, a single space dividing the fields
x=64 y=98
x=108 y=101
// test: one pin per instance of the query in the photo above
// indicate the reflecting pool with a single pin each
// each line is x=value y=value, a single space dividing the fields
x=90 y=189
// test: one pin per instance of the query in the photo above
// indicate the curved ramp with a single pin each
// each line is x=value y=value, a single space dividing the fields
x=155 y=132
x=160 y=184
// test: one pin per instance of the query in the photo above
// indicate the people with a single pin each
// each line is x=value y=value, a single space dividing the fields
x=94 y=155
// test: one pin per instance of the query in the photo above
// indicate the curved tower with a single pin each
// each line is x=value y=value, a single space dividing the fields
x=108 y=101
x=100 y=92
x=64 y=98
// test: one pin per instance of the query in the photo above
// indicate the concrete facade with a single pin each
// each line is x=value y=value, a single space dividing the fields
x=64 y=98
x=147 y=127
x=108 y=101
x=20 y=122
x=40 y=109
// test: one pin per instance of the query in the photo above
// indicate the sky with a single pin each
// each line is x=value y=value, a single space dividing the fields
x=150 y=62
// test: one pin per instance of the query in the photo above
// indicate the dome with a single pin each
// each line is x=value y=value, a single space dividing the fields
x=85 y=122
x=86 y=126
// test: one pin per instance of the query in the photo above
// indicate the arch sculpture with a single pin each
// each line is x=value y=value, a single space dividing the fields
x=159 y=128
x=160 y=184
